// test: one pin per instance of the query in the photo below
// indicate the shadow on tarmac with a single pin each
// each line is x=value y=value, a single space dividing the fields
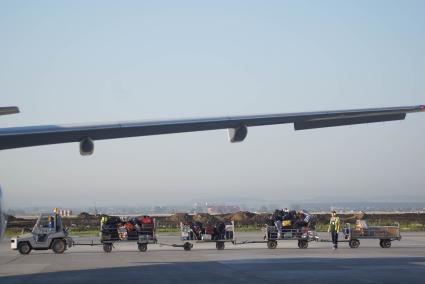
x=299 y=270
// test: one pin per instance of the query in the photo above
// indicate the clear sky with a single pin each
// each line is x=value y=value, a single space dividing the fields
x=97 y=61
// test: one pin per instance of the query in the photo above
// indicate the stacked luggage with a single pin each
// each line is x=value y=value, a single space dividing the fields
x=114 y=228
x=290 y=225
x=195 y=231
x=109 y=228
x=291 y=219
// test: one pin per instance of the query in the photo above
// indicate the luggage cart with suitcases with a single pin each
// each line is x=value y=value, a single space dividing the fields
x=142 y=232
x=286 y=225
x=195 y=233
x=385 y=234
x=303 y=235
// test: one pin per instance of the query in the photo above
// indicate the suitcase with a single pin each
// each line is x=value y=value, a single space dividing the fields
x=206 y=237
x=229 y=235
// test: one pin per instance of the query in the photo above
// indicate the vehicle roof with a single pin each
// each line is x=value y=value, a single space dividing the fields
x=46 y=214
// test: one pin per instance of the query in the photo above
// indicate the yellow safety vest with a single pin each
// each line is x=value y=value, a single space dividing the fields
x=103 y=220
x=334 y=224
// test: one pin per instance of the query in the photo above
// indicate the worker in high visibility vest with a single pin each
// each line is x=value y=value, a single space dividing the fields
x=334 y=226
x=56 y=223
x=103 y=221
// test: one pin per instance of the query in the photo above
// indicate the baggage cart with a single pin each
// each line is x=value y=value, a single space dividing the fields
x=142 y=235
x=385 y=234
x=190 y=235
x=303 y=235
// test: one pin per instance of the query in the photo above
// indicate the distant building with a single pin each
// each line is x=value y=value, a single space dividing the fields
x=65 y=212
x=223 y=209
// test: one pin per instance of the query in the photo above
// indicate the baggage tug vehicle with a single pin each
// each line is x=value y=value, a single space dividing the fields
x=48 y=233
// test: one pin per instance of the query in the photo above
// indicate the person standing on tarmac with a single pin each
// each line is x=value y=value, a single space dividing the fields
x=103 y=221
x=334 y=225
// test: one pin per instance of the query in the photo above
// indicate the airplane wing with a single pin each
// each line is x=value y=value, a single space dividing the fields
x=238 y=126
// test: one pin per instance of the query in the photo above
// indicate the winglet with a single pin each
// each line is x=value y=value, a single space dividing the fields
x=8 y=110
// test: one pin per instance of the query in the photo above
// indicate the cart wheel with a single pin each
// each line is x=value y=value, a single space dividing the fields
x=354 y=244
x=107 y=247
x=142 y=247
x=219 y=245
x=302 y=244
x=385 y=243
x=187 y=246
x=272 y=244
x=58 y=246
x=24 y=248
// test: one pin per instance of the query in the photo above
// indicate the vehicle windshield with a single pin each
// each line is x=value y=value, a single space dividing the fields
x=46 y=223
x=43 y=221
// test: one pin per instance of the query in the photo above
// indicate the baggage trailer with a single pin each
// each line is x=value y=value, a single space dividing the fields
x=385 y=234
x=303 y=235
x=190 y=234
x=271 y=237
x=142 y=234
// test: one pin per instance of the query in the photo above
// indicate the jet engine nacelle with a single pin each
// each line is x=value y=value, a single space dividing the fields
x=86 y=147
x=238 y=134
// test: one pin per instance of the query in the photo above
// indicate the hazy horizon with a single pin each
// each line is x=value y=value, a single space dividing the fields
x=101 y=61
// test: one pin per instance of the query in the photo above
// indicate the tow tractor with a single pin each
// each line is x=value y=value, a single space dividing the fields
x=48 y=233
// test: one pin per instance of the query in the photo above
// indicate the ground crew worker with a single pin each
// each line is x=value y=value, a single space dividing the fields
x=277 y=219
x=103 y=221
x=56 y=213
x=334 y=225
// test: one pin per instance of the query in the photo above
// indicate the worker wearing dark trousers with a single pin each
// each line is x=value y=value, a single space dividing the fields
x=334 y=225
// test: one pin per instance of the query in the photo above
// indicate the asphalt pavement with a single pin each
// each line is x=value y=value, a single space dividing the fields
x=404 y=262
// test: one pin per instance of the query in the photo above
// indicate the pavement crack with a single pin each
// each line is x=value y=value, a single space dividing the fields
x=12 y=260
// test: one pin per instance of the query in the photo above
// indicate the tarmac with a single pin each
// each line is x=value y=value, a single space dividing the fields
x=404 y=262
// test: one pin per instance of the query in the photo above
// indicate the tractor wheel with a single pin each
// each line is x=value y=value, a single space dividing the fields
x=58 y=246
x=219 y=245
x=272 y=244
x=24 y=248
x=354 y=244
x=303 y=244
x=107 y=247
x=142 y=247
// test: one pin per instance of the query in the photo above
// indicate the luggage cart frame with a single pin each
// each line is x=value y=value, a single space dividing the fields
x=188 y=236
x=385 y=235
x=142 y=238
x=271 y=237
